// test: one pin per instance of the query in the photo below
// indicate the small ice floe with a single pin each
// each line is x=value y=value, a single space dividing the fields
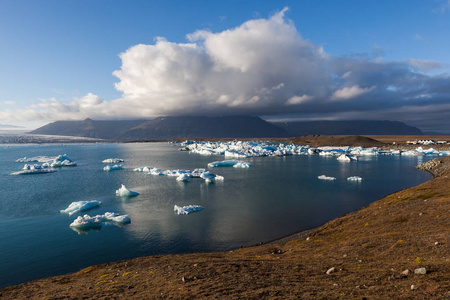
x=49 y=161
x=85 y=223
x=184 y=178
x=78 y=206
x=242 y=165
x=324 y=177
x=354 y=178
x=229 y=163
x=208 y=177
x=345 y=157
x=124 y=192
x=185 y=210
x=113 y=161
x=113 y=168
x=33 y=171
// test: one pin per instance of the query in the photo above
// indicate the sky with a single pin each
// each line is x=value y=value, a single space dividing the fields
x=281 y=60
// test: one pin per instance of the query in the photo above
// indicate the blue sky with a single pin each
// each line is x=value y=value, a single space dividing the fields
x=57 y=60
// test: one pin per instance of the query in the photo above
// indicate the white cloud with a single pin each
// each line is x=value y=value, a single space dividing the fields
x=298 y=100
x=348 y=93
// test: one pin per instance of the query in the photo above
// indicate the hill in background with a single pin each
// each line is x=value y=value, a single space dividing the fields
x=183 y=127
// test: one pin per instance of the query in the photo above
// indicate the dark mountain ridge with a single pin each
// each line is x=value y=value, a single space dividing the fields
x=184 y=127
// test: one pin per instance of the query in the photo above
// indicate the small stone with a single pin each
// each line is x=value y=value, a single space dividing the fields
x=413 y=287
x=183 y=279
x=195 y=265
x=308 y=238
x=421 y=214
x=406 y=272
x=421 y=271
x=345 y=255
x=437 y=243
x=331 y=270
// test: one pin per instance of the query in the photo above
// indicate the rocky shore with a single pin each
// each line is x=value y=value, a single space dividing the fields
x=397 y=247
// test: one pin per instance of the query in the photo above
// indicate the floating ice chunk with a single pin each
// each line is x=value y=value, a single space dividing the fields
x=64 y=163
x=124 y=192
x=156 y=171
x=242 y=165
x=78 y=206
x=324 y=177
x=219 y=178
x=113 y=161
x=115 y=217
x=33 y=171
x=185 y=210
x=207 y=174
x=197 y=173
x=31 y=167
x=184 y=177
x=113 y=168
x=354 y=178
x=87 y=222
x=223 y=163
x=411 y=153
x=344 y=157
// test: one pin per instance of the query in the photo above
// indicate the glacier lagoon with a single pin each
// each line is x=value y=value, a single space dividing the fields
x=277 y=196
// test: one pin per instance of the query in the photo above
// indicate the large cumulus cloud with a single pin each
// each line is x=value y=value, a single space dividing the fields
x=262 y=67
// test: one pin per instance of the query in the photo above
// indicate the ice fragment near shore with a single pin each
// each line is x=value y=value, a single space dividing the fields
x=354 y=178
x=185 y=210
x=86 y=222
x=124 y=192
x=344 y=157
x=78 y=206
x=113 y=161
x=113 y=168
x=324 y=177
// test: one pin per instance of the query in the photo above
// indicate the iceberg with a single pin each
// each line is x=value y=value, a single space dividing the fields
x=113 y=161
x=345 y=157
x=184 y=178
x=185 y=210
x=229 y=163
x=78 y=206
x=354 y=178
x=33 y=171
x=86 y=222
x=113 y=168
x=124 y=192
x=324 y=177
x=242 y=165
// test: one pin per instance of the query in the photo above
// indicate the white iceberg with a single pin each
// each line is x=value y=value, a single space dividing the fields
x=345 y=157
x=354 y=178
x=185 y=210
x=33 y=171
x=223 y=163
x=113 y=161
x=184 y=177
x=113 y=168
x=324 y=177
x=78 y=206
x=124 y=192
x=86 y=222
x=242 y=165
x=207 y=174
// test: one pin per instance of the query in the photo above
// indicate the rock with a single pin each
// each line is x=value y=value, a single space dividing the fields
x=308 y=238
x=421 y=271
x=331 y=270
x=413 y=287
x=183 y=279
x=406 y=272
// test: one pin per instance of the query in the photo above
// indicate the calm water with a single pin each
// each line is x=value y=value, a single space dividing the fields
x=276 y=197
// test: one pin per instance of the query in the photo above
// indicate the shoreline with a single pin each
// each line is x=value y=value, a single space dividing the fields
x=437 y=169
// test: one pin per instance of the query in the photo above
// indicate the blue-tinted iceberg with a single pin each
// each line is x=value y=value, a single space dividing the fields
x=124 y=192
x=113 y=168
x=185 y=210
x=354 y=178
x=78 y=206
x=229 y=163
